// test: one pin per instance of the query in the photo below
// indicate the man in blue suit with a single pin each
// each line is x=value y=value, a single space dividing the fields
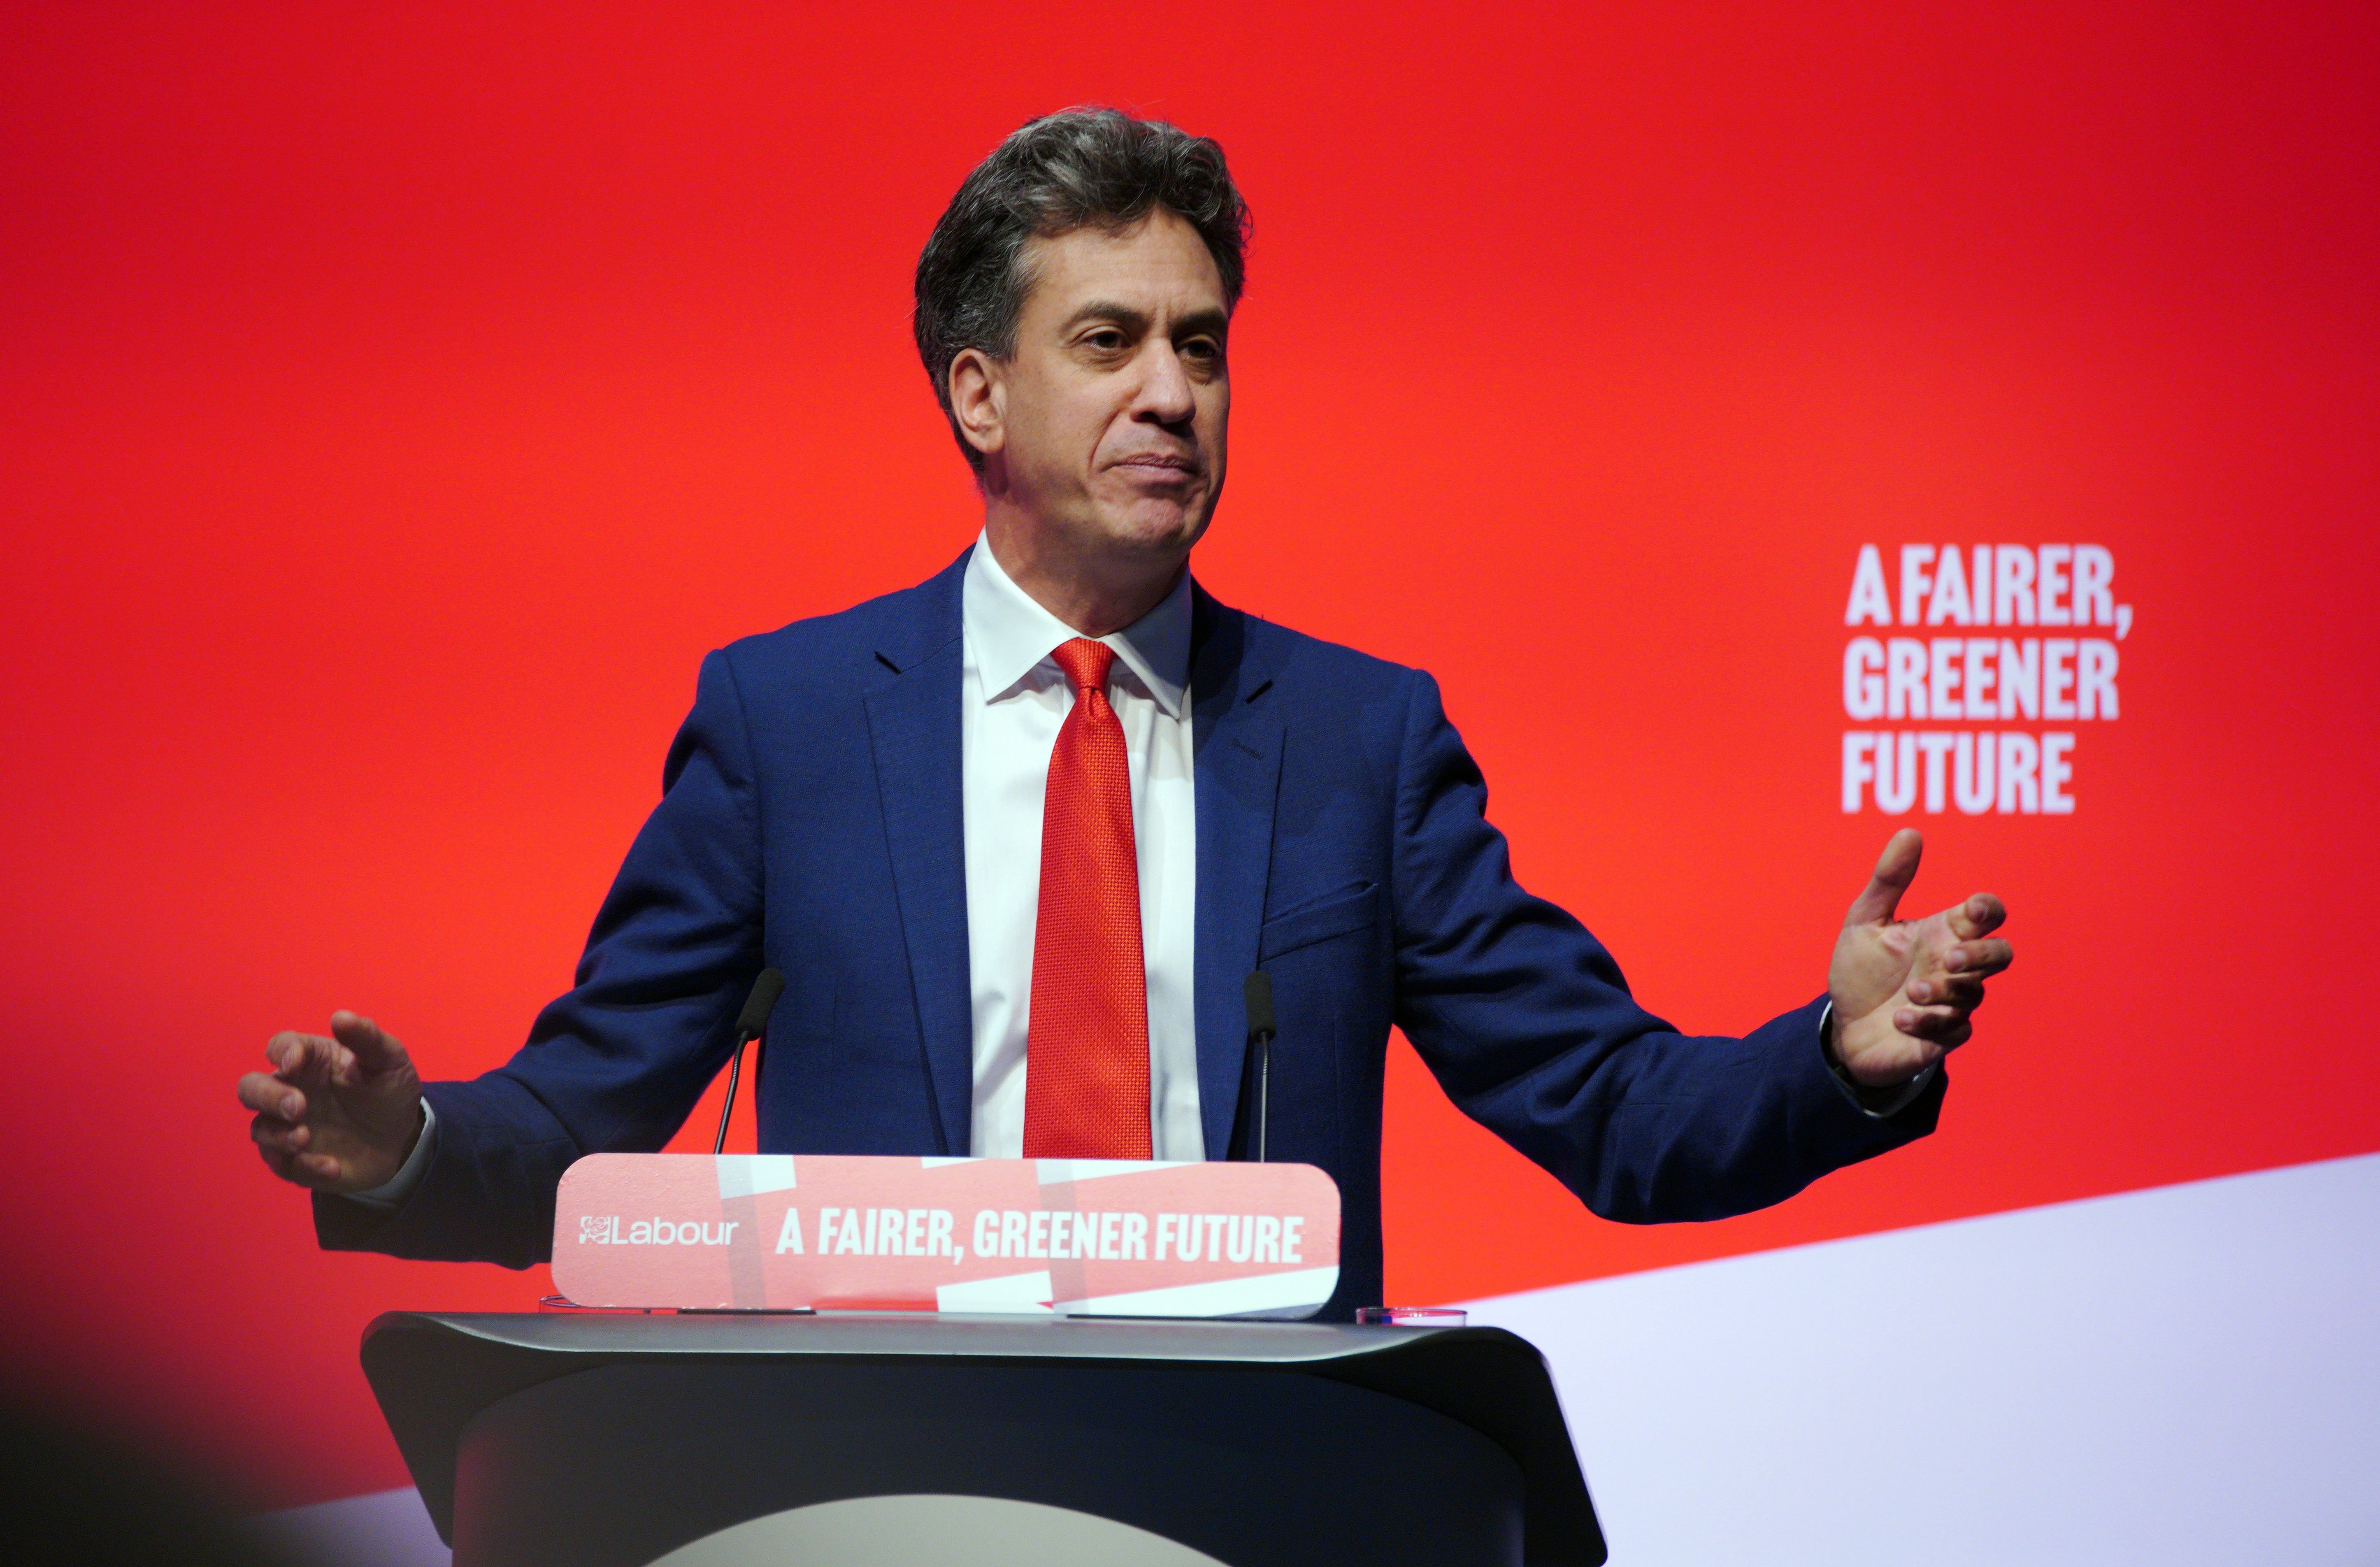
x=1015 y=837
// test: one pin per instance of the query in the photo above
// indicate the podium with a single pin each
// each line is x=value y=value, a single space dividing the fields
x=603 y=1440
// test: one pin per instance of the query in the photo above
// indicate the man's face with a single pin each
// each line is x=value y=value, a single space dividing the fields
x=1111 y=415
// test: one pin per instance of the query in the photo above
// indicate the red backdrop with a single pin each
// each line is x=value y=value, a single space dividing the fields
x=400 y=400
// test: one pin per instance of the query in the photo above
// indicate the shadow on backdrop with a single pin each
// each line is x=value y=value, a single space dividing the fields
x=71 y=1495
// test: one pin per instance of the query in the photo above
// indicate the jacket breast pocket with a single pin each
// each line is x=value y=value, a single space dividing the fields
x=1334 y=914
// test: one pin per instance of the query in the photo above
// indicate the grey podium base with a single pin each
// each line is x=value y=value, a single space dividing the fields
x=934 y=1531
x=623 y=1441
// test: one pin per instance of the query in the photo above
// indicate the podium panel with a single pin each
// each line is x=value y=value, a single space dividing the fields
x=615 y=1441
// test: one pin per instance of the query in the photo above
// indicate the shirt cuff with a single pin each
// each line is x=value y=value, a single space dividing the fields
x=392 y=1193
x=1875 y=1103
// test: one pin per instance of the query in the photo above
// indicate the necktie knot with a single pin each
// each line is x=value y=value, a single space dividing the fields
x=1086 y=663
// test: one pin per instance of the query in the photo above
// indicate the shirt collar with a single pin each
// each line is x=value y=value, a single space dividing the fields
x=1011 y=634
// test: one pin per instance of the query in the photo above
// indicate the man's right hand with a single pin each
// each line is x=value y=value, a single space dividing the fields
x=337 y=1114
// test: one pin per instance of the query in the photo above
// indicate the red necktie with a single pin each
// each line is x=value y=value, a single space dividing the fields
x=1086 y=1043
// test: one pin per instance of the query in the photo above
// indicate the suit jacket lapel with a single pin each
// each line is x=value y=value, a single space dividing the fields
x=913 y=725
x=1238 y=747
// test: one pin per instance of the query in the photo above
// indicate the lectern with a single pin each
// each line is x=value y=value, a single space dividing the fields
x=593 y=1440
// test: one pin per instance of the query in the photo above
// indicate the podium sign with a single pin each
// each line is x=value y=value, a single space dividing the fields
x=1085 y=1237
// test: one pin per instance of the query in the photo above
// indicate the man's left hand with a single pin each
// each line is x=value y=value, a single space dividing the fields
x=1904 y=991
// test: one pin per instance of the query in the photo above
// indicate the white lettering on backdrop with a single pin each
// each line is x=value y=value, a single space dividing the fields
x=2048 y=658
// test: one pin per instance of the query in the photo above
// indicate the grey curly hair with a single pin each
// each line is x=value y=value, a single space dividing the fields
x=1076 y=168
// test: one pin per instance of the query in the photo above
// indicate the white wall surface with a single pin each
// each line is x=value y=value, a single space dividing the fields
x=2179 y=1375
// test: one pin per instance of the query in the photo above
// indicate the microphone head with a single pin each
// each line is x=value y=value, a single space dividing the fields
x=763 y=999
x=1258 y=991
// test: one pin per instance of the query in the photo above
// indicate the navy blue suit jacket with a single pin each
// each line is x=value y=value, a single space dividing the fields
x=811 y=822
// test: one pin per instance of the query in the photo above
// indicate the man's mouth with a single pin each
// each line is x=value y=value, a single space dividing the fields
x=1161 y=462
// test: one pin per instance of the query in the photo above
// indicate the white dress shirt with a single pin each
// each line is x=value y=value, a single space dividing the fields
x=1013 y=699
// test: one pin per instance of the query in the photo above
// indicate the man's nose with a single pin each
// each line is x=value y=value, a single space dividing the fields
x=1165 y=393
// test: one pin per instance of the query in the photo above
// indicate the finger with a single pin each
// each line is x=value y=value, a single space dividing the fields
x=1981 y=959
x=268 y=1095
x=375 y=1051
x=1941 y=1026
x=269 y=1132
x=1979 y=916
x=307 y=1169
x=303 y=1056
x=311 y=1169
x=1962 y=992
x=1895 y=869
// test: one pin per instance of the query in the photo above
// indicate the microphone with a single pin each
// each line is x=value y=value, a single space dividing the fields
x=1259 y=992
x=749 y=1026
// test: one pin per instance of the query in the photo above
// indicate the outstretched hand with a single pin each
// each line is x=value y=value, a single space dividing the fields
x=337 y=1113
x=1904 y=991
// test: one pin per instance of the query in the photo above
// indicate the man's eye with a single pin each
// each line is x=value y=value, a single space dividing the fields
x=1106 y=340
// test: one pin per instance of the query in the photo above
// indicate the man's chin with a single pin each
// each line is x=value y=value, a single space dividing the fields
x=1153 y=530
x=1161 y=525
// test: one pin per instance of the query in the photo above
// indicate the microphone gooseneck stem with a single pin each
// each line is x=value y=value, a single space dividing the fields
x=735 y=1071
x=1264 y=1095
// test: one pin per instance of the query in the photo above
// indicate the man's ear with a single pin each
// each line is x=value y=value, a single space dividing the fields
x=979 y=400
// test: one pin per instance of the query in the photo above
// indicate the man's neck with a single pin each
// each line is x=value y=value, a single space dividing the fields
x=1095 y=596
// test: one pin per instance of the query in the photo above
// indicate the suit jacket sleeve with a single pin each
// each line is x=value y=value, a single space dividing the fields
x=609 y=1066
x=1529 y=1026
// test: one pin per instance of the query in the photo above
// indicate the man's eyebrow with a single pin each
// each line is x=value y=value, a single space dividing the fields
x=1108 y=310
x=1135 y=320
x=1212 y=322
